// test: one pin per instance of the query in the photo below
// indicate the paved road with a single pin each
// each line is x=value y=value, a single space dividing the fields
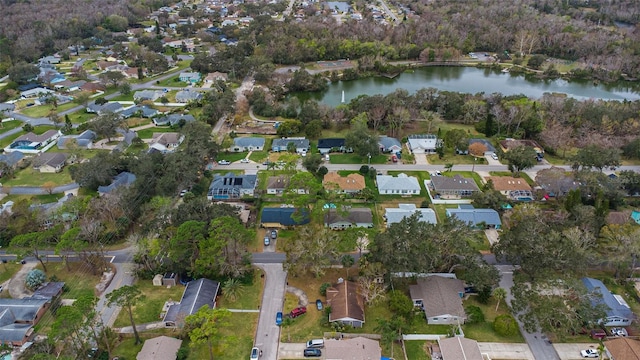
x=390 y=13
x=268 y=333
x=540 y=347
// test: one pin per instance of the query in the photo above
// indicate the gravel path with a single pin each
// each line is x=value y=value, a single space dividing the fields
x=16 y=287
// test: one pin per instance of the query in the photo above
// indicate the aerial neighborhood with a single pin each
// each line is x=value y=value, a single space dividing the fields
x=264 y=180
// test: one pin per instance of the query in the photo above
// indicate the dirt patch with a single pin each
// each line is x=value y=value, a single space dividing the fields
x=303 y=300
x=16 y=286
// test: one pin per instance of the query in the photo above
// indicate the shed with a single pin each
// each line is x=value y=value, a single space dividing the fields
x=157 y=280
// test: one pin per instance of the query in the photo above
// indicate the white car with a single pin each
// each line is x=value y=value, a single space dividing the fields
x=224 y=162
x=589 y=353
x=619 y=332
x=494 y=156
x=255 y=353
x=244 y=161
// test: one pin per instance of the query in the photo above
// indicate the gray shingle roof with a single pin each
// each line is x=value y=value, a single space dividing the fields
x=475 y=217
x=144 y=111
x=198 y=293
x=186 y=96
x=395 y=215
x=248 y=141
x=173 y=119
x=11 y=158
x=614 y=308
x=439 y=295
x=387 y=142
x=282 y=143
x=122 y=179
x=400 y=182
x=456 y=183
x=231 y=182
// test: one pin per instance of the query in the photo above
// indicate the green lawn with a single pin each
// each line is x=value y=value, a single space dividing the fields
x=80 y=117
x=31 y=177
x=232 y=156
x=258 y=156
x=43 y=110
x=416 y=350
x=150 y=308
x=41 y=129
x=9 y=139
x=356 y=159
x=452 y=158
x=8 y=270
x=173 y=81
x=8 y=125
x=148 y=133
x=34 y=199
x=240 y=332
x=484 y=331
x=466 y=174
x=251 y=295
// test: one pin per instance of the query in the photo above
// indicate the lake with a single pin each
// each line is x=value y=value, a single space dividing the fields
x=473 y=80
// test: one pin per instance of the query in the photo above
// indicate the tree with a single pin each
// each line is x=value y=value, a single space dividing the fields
x=127 y=297
x=22 y=73
x=184 y=249
x=205 y=328
x=520 y=158
x=594 y=156
x=49 y=186
x=112 y=77
x=536 y=61
x=474 y=314
x=360 y=139
x=313 y=129
x=499 y=294
x=232 y=289
x=32 y=243
x=289 y=128
x=400 y=304
x=347 y=261
x=505 y=325
x=312 y=162
x=35 y=278
x=27 y=127
x=477 y=149
x=311 y=249
x=106 y=125
x=82 y=98
x=224 y=251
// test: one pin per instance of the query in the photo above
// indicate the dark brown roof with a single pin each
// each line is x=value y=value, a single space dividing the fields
x=623 y=348
x=355 y=215
x=508 y=183
x=278 y=182
x=345 y=301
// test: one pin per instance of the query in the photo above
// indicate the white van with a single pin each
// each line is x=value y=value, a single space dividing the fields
x=315 y=343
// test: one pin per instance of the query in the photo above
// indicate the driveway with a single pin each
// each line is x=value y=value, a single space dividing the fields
x=572 y=351
x=506 y=351
x=291 y=351
x=16 y=286
x=267 y=336
x=491 y=161
x=492 y=236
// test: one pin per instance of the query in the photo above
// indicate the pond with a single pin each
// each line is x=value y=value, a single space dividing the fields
x=472 y=80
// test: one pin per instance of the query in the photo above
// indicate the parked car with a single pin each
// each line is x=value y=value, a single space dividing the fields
x=598 y=334
x=279 y=318
x=224 y=162
x=274 y=234
x=244 y=161
x=297 y=312
x=619 y=332
x=315 y=343
x=589 y=353
x=311 y=352
x=319 y=304
x=267 y=241
x=267 y=162
x=183 y=192
x=494 y=156
x=255 y=353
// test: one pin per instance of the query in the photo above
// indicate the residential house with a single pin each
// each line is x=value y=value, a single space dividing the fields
x=459 y=348
x=139 y=111
x=173 y=119
x=241 y=144
x=231 y=186
x=301 y=144
x=166 y=142
x=122 y=179
x=283 y=217
x=346 y=302
x=32 y=144
x=453 y=187
x=147 y=95
x=338 y=7
x=197 y=293
x=440 y=298
x=354 y=217
x=50 y=162
x=52 y=59
x=160 y=348
x=622 y=348
x=277 y=185
x=398 y=185
x=510 y=144
x=326 y=146
x=617 y=309
x=487 y=144
x=110 y=107
x=83 y=140
x=7 y=107
x=35 y=92
x=389 y=145
x=512 y=188
x=93 y=87
x=190 y=77
x=358 y=348
x=350 y=184
x=69 y=85
x=396 y=215
x=104 y=65
x=216 y=76
x=423 y=143
x=185 y=96
x=12 y=159
x=49 y=290
x=476 y=218
x=559 y=184
x=18 y=317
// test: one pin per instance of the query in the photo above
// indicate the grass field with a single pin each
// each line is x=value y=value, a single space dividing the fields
x=148 y=133
x=452 y=158
x=150 y=308
x=251 y=295
x=31 y=177
x=43 y=110
x=34 y=199
x=9 y=125
x=416 y=350
x=356 y=159
x=8 y=270
x=173 y=81
x=241 y=332
x=484 y=331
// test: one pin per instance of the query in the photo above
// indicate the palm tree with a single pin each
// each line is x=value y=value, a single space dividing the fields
x=347 y=261
x=500 y=294
x=232 y=289
x=448 y=166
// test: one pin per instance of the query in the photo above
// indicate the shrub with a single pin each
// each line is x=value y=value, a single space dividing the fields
x=505 y=325
x=323 y=288
x=474 y=314
x=364 y=169
x=35 y=278
x=400 y=303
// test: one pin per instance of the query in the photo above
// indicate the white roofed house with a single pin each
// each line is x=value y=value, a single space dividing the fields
x=423 y=144
x=241 y=144
x=185 y=96
x=166 y=142
x=400 y=185
x=145 y=95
